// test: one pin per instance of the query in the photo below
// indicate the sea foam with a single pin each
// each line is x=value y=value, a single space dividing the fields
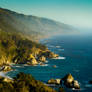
x=44 y=65
x=58 y=46
x=61 y=49
x=60 y=58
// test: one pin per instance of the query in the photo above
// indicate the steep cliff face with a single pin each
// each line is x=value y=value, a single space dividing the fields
x=17 y=49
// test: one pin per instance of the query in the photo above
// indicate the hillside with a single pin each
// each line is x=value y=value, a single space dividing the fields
x=23 y=83
x=17 y=49
x=18 y=34
x=31 y=26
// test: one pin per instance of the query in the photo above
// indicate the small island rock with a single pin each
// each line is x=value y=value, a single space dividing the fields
x=68 y=79
x=70 y=82
x=76 y=84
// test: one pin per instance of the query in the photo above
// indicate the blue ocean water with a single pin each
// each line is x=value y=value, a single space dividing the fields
x=75 y=57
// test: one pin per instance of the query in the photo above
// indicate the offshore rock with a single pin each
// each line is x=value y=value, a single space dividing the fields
x=70 y=82
x=76 y=84
x=68 y=79
x=32 y=60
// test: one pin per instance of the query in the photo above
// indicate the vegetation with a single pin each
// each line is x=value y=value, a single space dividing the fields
x=24 y=83
x=61 y=89
x=31 y=26
x=14 y=48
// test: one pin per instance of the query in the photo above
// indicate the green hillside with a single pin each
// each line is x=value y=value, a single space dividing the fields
x=31 y=26
x=18 y=35
x=13 y=48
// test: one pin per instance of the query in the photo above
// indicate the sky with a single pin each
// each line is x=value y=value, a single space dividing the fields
x=73 y=12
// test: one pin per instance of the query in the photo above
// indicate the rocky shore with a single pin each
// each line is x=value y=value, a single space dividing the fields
x=38 y=57
x=17 y=49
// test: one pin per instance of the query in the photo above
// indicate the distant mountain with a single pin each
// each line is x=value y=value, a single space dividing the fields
x=31 y=26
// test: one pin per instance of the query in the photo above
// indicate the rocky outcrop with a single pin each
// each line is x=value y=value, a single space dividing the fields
x=68 y=79
x=52 y=55
x=42 y=64
x=6 y=68
x=34 y=57
x=70 y=82
x=33 y=61
x=48 y=54
x=54 y=81
x=76 y=84
x=42 y=59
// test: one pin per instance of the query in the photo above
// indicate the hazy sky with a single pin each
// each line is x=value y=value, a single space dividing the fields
x=73 y=12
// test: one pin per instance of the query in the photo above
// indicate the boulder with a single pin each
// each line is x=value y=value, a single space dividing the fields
x=53 y=55
x=51 y=81
x=68 y=79
x=76 y=84
x=58 y=81
x=6 y=68
x=32 y=61
x=42 y=64
x=54 y=81
x=42 y=59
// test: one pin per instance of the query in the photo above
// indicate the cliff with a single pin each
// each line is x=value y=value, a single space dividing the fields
x=19 y=50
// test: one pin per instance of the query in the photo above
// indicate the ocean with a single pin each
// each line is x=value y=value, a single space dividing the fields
x=75 y=53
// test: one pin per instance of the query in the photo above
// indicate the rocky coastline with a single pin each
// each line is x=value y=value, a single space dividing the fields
x=39 y=57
